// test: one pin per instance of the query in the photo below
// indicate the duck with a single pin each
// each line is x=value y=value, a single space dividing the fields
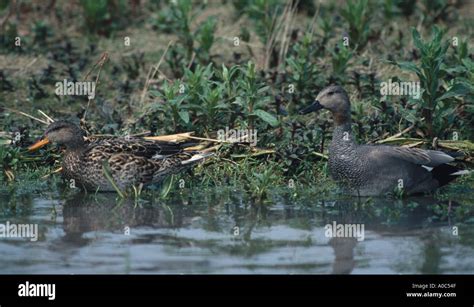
x=374 y=170
x=129 y=161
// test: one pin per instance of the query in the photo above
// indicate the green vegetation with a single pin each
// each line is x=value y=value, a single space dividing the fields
x=203 y=67
x=357 y=15
x=432 y=73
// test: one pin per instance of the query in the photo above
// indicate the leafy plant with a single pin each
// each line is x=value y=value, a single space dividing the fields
x=340 y=57
x=262 y=13
x=357 y=15
x=41 y=32
x=303 y=72
x=326 y=24
x=407 y=7
x=252 y=98
x=171 y=104
x=9 y=157
x=8 y=37
x=434 y=10
x=205 y=37
x=392 y=8
x=104 y=16
x=431 y=72
x=177 y=19
x=261 y=182
x=205 y=97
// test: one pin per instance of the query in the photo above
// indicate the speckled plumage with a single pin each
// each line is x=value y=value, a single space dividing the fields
x=369 y=170
x=129 y=161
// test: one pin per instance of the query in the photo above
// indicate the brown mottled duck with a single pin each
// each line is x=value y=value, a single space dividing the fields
x=129 y=161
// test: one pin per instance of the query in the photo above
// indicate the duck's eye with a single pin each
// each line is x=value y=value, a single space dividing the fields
x=331 y=93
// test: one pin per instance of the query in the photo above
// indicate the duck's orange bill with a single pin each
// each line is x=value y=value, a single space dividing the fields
x=38 y=144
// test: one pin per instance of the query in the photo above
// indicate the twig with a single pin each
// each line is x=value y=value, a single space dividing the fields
x=413 y=144
x=270 y=43
x=169 y=138
x=102 y=59
x=313 y=20
x=152 y=73
x=255 y=154
x=47 y=117
x=100 y=63
x=53 y=172
x=210 y=140
x=397 y=135
x=27 y=115
x=164 y=76
x=211 y=149
x=230 y=161
x=138 y=134
x=287 y=19
x=320 y=155
x=192 y=60
x=25 y=68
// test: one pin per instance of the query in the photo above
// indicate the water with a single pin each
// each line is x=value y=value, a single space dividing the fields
x=224 y=232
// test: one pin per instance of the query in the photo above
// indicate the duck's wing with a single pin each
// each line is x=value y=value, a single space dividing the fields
x=430 y=158
x=135 y=146
x=128 y=168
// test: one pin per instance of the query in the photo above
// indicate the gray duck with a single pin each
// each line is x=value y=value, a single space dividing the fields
x=369 y=170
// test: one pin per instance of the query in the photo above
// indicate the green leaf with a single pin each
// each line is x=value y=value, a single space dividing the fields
x=468 y=63
x=222 y=105
x=455 y=70
x=409 y=66
x=458 y=89
x=263 y=89
x=166 y=186
x=225 y=73
x=417 y=39
x=155 y=93
x=184 y=116
x=239 y=101
x=107 y=172
x=266 y=117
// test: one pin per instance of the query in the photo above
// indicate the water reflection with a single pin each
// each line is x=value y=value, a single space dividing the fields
x=225 y=232
x=104 y=213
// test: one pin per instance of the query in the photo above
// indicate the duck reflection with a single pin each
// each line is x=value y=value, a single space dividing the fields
x=379 y=216
x=103 y=212
x=257 y=225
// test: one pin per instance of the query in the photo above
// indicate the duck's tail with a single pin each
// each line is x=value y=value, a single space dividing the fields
x=461 y=172
x=446 y=173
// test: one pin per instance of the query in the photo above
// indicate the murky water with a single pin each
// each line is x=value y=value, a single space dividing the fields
x=224 y=232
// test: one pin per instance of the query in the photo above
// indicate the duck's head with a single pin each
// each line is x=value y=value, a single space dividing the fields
x=62 y=133
x=333 y=98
